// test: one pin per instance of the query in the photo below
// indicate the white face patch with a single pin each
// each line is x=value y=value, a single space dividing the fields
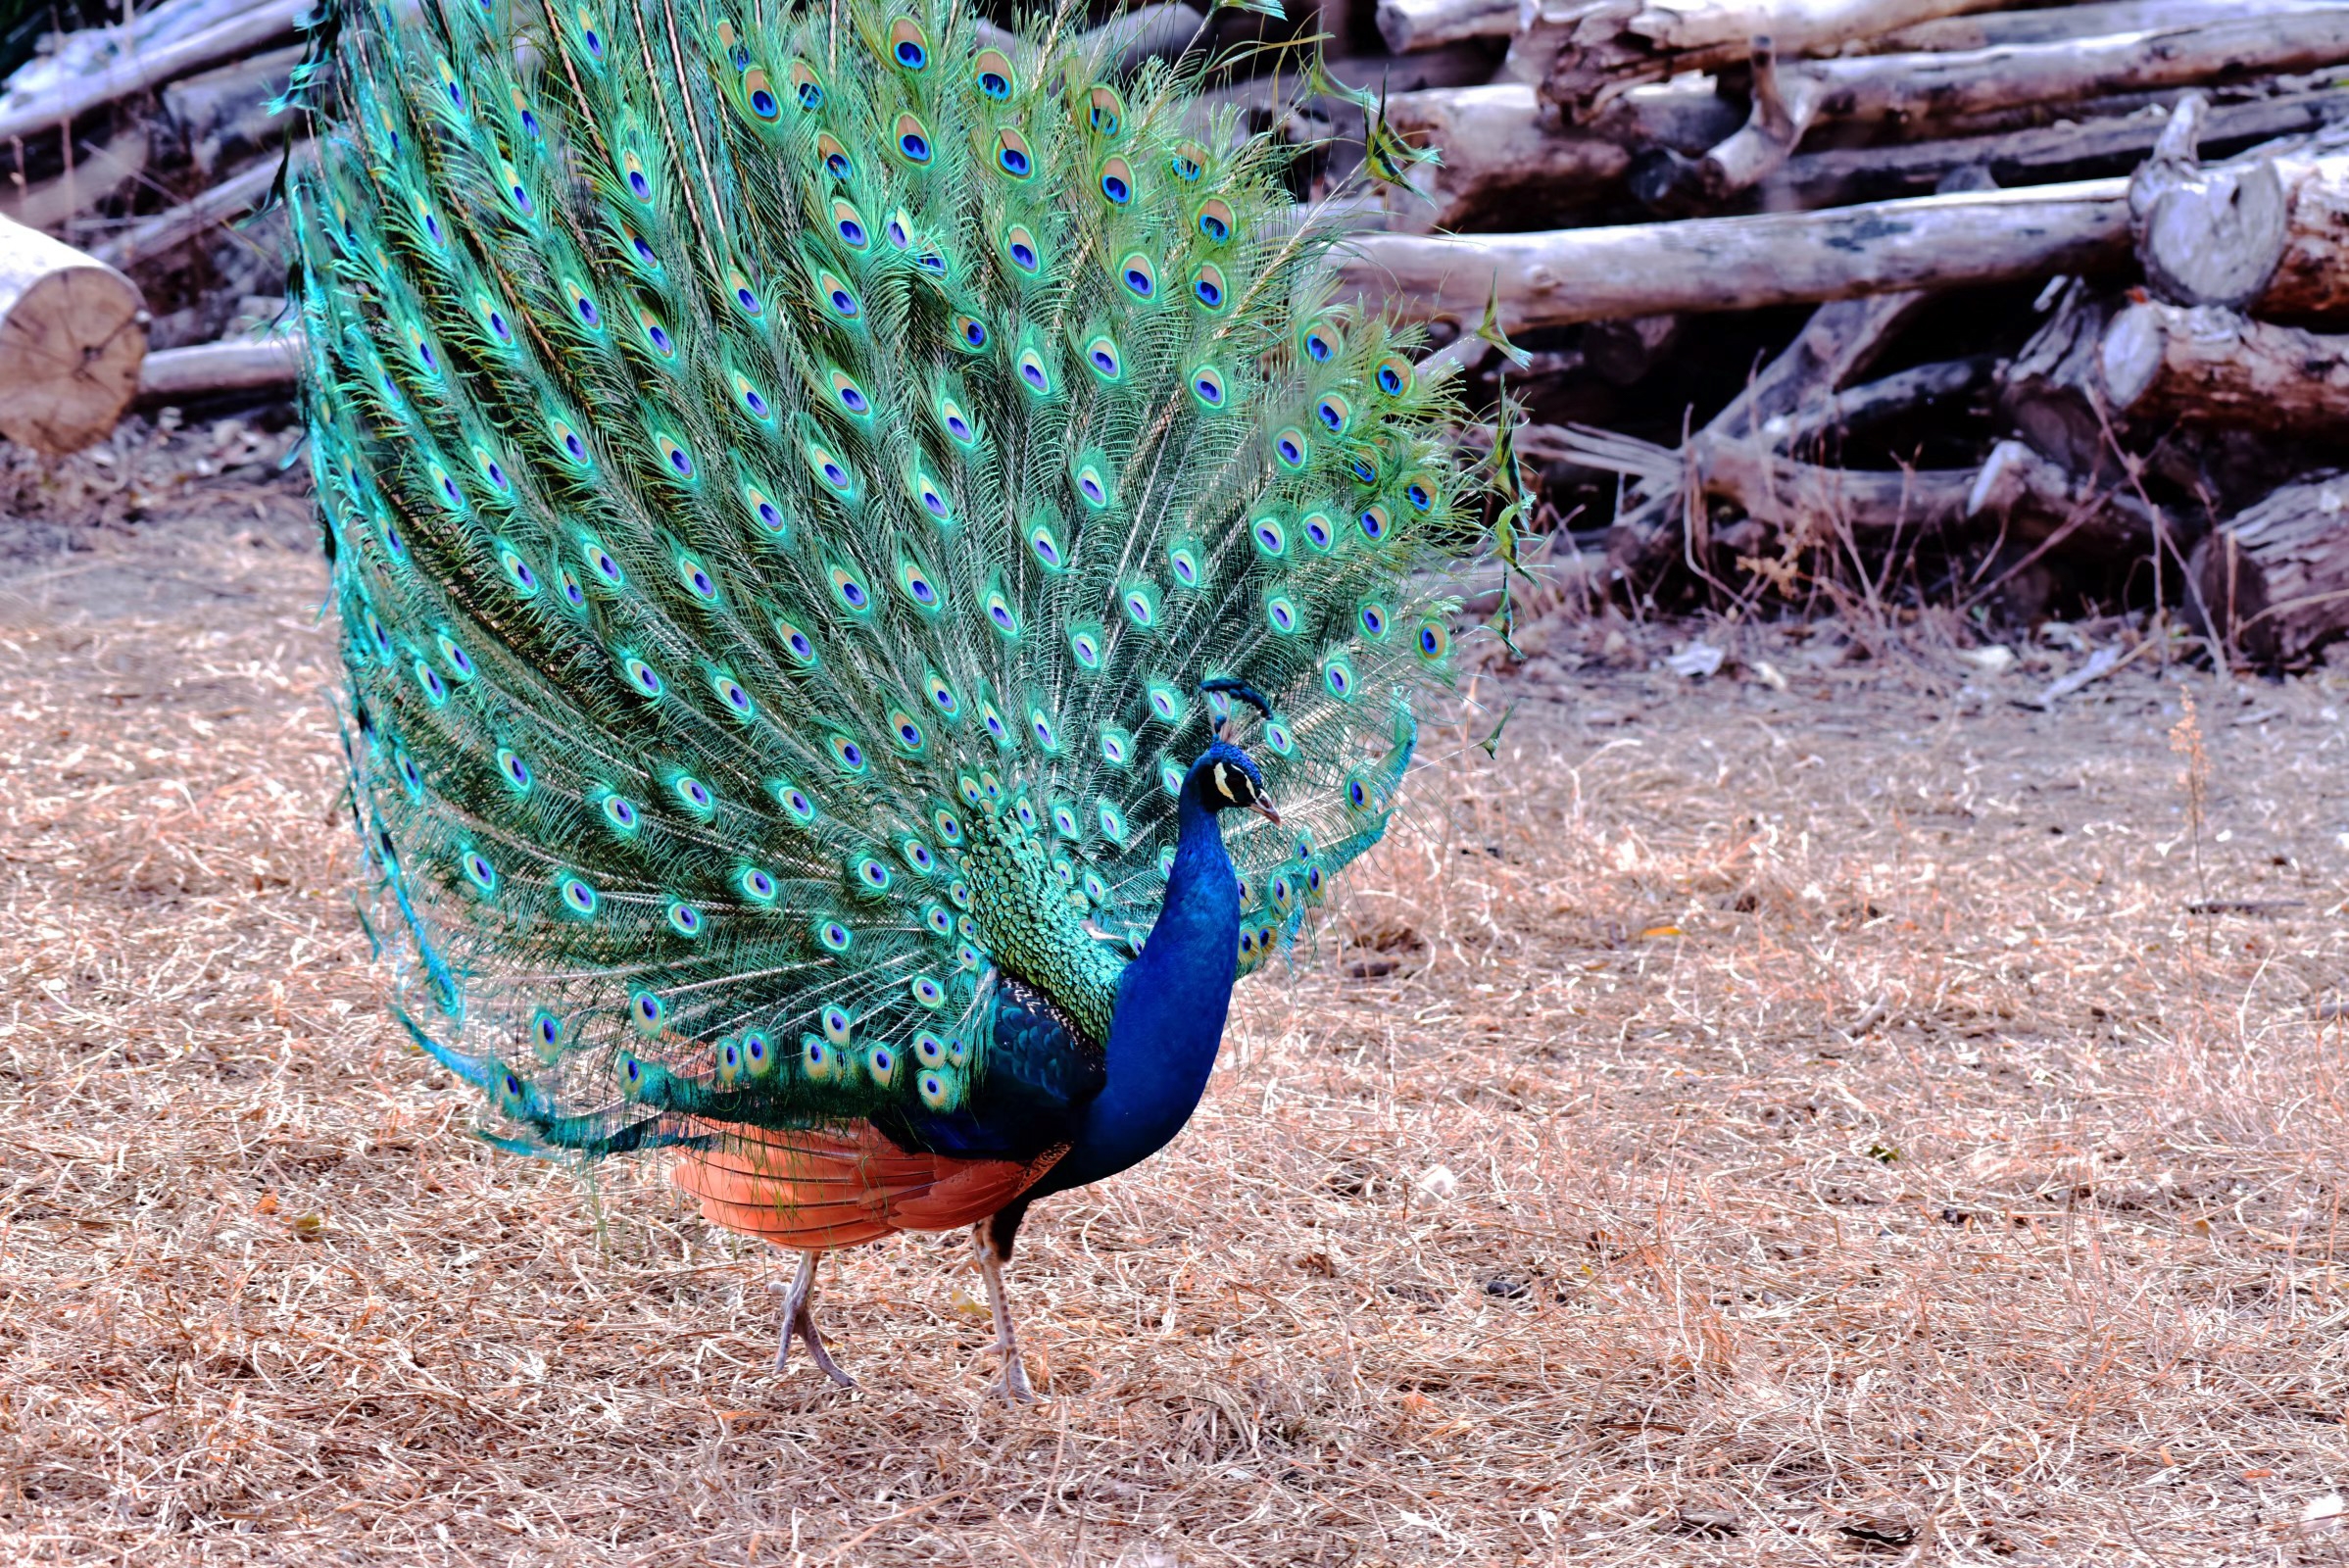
x=1224 y=783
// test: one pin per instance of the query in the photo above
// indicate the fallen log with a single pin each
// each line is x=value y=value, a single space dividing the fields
x=231 y=199
x=2270 y=235
x=2161 y=361
x=72 y=332
x=1583 y=52
x=1837 y=343
x=209 y=369
x=1843 y=175
x=1789 y=101
x=1920 y=386
x=2273 y=582
x=1822 y=506
x=96 y=176
x=2053 y=392
x=228 y=40
x=1410 y=26
x=1558 y=277
x=1508 y=165
x=2100 y=18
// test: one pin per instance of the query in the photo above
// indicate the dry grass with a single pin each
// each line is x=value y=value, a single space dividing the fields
x=1747 y=1133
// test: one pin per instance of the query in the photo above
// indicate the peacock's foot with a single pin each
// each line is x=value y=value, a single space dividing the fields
x=799 y=1320
x=1013 y=1386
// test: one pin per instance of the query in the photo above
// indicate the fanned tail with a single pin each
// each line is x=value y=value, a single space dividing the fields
x=787 y=473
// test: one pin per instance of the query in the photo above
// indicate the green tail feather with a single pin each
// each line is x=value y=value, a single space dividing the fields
x=787 y=473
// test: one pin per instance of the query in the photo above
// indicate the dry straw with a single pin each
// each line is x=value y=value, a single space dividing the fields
x=1791 y=1128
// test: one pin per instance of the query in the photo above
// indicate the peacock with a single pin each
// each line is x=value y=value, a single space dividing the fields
x=875 y=583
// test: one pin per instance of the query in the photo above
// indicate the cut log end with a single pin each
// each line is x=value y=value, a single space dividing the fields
x=2216 y=238
x=72 y=334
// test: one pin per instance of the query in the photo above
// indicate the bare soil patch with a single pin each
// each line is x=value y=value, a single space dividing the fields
x=1728 y=1125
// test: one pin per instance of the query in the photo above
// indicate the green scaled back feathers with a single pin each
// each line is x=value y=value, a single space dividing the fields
x=787 y=473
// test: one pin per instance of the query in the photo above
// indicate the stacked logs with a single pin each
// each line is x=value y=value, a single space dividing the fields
x=2077 y=279
x=2005 y=300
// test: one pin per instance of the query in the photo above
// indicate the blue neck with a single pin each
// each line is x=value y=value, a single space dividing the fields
x=1170 y=1011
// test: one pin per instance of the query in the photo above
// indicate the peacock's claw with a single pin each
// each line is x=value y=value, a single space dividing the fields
x=1013 y=1386
x=799 y=1319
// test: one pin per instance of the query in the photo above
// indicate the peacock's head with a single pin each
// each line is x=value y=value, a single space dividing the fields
x=1224 y=778
x=1223 y=775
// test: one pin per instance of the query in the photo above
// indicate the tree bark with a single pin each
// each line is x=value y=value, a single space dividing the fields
x=228 y=40
x=72 y=332
x=2273 y=581
x=1410 y=26
x=2215 y=366
x=1788 y=102
x=1583 y=52
x=1558 y=277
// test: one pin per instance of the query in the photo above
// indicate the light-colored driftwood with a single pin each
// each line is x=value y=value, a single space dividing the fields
x=1582 y=52
x=1790 y=99
x=2210 y=365
x=1556 y=277
x=1410 y=26
x=239 y=35
x=207 y=370
x=2273 y=581
x=1505 y=158
x=225 y=202
x=72 y=334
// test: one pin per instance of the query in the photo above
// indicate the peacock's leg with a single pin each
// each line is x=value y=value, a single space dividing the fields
x=799 y=1317
x=1013 y=1385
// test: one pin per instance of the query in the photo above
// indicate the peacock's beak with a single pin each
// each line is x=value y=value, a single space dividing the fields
x=1264 y=808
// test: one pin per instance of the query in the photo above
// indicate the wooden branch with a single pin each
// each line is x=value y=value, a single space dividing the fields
x=229 y=39
x=1410 y=26
x=72 y=332
x=1904 y=392
x=1557 y=277
x=1506 y=160
x=1837 y=342
x=1583 y=52
x=207 y=370
x=1840 y=176
x=231 y=199
x=1815 y=504
x=2273 y=581
x=1787 y=102
x=2215 y=366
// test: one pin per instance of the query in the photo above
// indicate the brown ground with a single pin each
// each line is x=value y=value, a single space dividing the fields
x=1731 y=1126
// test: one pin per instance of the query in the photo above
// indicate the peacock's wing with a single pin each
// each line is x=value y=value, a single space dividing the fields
x=787 y=472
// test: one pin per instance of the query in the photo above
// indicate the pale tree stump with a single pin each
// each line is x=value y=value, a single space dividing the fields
x=72 y=334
